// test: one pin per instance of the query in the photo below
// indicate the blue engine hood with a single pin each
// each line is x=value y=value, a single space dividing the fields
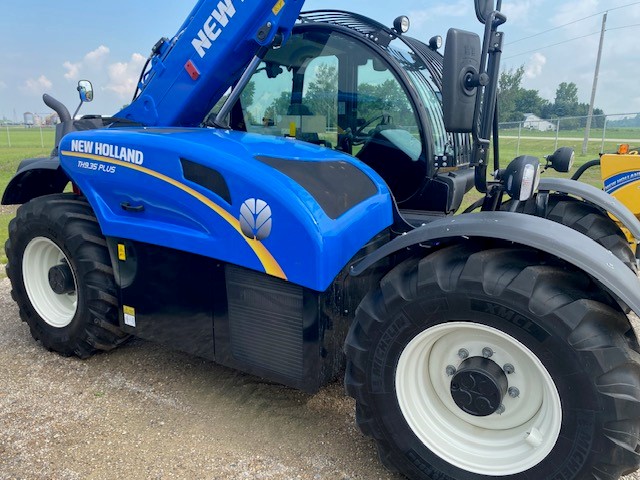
x=307 y=209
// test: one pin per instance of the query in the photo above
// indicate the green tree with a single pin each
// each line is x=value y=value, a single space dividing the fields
x=530 y=101
x=247 y=95
x=385 y=98
x=567 y=93
x=566 y=102
x=321 y=96
x=567 y=105
x=514 y=101
x=279 y=106
x=509 y=88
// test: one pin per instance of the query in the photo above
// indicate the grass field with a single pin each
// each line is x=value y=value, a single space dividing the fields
x=25 y=143
x=28 y=143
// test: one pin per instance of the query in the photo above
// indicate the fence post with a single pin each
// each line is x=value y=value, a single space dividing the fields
x=8 y=136
x=557 y=133
x=604 y=133
x=519 y=138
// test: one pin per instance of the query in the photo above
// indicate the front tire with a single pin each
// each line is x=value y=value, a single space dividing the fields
x=61 y=276
x=554 y=391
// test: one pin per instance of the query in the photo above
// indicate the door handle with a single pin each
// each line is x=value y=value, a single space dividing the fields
x=127 y=207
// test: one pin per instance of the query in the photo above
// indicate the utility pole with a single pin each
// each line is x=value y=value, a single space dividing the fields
x=587 y=130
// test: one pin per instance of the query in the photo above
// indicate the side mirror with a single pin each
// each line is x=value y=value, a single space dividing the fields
x=562 y=159
x=460 y=80
x=484 y=8
x=85 y=89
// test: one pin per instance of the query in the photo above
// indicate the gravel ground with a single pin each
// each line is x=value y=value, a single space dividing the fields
x=146 y=412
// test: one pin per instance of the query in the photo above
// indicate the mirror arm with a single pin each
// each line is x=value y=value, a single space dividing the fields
x=77 y=110
x=486 y=103
x=496 y=141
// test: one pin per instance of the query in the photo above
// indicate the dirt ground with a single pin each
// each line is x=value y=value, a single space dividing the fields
x=146 y=412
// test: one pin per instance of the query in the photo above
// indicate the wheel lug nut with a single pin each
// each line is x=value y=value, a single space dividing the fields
x=514 y=392
x=509 y=369
x=463 y=353
x=487 y=352
x=501 y=409
x=451 y=370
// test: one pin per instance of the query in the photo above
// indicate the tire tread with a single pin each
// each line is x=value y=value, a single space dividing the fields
x=594 y=323
x=72 y=215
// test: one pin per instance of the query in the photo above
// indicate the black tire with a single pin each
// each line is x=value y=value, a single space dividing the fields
x=522 y=298
x=84 y=319
x=590 y=221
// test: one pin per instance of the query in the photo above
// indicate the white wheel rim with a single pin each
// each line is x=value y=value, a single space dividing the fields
x=40 y=255
x=506 y=444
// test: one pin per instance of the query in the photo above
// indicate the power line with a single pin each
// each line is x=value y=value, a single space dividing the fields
x=570 y=40
x=626 y=26
x=552 y=45
x=573 y=22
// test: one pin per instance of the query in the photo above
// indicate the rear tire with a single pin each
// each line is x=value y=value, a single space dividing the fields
x=61 y=276
x=590 y=221
x=576 y=411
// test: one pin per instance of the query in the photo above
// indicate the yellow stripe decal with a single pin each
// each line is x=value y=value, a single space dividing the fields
x=269 y=263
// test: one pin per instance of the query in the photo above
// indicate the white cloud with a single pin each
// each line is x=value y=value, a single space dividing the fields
x=94 y=61
x=73 y=69
x=123 y=76
x=535 y=65
x=97 y=55
x=37 y=86
x=2 y=85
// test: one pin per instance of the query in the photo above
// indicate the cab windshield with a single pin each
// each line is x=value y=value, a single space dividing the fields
x=328 y=88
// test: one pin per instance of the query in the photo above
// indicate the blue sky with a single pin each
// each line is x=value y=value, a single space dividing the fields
x=49 y=45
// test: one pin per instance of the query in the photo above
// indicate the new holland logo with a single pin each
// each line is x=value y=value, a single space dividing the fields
x=213 y=27
x=255 y=219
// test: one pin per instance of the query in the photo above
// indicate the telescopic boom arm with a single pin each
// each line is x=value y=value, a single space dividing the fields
x=191 y=72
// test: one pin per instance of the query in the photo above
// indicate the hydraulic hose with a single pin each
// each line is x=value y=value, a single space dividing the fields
x=584 y=168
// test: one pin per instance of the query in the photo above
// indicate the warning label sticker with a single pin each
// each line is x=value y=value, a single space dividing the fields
x=129 y=316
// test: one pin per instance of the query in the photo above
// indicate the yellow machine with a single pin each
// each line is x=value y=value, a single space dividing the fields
x=621 y=179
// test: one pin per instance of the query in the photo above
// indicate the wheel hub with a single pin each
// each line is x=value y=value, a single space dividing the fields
x=479 y=386
x=61 y=279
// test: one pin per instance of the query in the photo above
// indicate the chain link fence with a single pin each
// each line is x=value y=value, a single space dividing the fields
x=536 y=136
x=532 y=136
x=15 y=136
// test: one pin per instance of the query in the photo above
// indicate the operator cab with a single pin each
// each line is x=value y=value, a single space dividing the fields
x=371 y=96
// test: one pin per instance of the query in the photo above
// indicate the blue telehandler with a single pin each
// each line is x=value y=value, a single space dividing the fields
x=279 y=198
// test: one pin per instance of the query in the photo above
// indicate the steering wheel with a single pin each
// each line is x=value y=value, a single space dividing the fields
x=358 y=137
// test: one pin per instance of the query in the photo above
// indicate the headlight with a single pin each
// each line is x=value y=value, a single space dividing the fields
x=562 y=159
x=521 y=178
x=402 y=24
